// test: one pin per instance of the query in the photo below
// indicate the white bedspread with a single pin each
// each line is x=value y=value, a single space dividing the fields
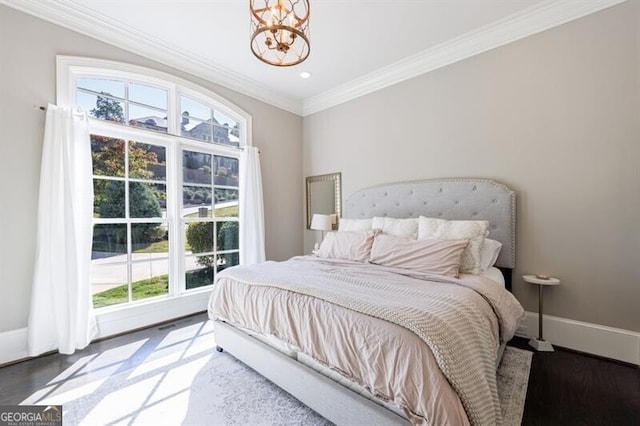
x=457 y=324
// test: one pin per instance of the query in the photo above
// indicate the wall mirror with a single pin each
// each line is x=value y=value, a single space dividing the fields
x=324 y=195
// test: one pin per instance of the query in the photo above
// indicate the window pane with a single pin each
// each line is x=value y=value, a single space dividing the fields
x=221 y=136
x=147 y=161
x=227 y=210
x=148 y=95
x=109 y=242
x=196 y=167
x=226 y=202
x=224 y=120
x=85 y=102
x=196 y=201
x=147 y=118
x=197 y=129
x=227 y=260
x=199 y=239
x=149 y=279
x=107 y=155
x=234 y=135
x=149 y=240
x=113 y=87
x=109 y=284
x=226 y=171
x=102 y=107
x=108 y=198
x=197 y=275
x=226 y=130
x=147 y=199
x=192 y=108
x=227 y=238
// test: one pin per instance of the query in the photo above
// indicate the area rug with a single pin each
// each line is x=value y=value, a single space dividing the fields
x=513 y=378
x=204 y=387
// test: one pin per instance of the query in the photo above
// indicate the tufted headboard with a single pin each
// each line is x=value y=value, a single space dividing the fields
x=471 y=199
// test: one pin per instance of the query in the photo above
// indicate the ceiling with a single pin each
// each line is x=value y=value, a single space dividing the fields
x=357 y=46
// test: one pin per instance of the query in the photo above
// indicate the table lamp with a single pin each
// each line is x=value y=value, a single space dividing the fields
x=321 y=222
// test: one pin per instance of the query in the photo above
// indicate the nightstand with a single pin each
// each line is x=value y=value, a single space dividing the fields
x=540 y=344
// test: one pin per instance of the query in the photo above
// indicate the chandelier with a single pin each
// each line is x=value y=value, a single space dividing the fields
x=280 y=31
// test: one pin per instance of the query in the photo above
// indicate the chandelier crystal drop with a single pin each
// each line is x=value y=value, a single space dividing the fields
x=280 y=31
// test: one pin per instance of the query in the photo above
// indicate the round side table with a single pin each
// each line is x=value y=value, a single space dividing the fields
x=540 y=344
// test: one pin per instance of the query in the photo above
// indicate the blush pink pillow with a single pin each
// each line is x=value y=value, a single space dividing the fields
x=349 y=245
x=433 y=257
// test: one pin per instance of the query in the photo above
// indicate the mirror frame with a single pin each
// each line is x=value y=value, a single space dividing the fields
x=336 y=178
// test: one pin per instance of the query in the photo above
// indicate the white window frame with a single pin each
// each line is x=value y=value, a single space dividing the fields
x=179 y=302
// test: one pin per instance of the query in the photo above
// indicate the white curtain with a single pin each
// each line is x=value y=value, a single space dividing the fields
x=251 y=208
x=61 y=315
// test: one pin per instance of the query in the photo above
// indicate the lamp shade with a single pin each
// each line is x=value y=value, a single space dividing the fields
x=321 y=222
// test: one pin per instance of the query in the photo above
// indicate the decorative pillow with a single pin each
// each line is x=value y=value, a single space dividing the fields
x=433 y=257
x=489 y=253
x=349 y=245
x=472 y=230
x=405 y=228
x=354 y=224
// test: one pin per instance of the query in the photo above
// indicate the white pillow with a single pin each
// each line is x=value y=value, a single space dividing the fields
x=354 y=224
x=489 y=253
x=472 y=230
x=405 y=228
x=349 y=245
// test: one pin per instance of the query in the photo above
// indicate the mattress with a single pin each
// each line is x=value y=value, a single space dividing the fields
x=494 y=274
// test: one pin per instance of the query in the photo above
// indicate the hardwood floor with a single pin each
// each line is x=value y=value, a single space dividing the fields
x=569 y=388
x=565 y=388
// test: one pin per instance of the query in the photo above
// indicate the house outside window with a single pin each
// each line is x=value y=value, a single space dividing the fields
x=165 y=157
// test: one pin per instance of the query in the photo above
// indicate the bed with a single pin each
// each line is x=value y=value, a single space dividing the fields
x=392 y=359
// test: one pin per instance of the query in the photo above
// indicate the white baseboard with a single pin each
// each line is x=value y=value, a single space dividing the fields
x=609 y=342
x=13 y=343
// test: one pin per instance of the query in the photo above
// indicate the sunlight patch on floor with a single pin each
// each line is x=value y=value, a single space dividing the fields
x=57 y=396
x=146 y=381
x=122 y=403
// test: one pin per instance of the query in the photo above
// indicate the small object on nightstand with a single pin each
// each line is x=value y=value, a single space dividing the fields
x=540 y=344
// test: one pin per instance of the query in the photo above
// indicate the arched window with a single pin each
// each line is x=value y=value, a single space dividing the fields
x=165 y=157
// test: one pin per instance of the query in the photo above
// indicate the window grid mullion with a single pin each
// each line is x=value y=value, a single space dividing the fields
x=176 y=276
x=127 y=218
x=101 y=94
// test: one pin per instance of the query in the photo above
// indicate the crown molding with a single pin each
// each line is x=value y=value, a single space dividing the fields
x=78 y=18
x=538 y=18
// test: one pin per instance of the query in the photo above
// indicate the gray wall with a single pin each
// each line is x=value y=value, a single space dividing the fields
x=28 y=47
x=556 y=116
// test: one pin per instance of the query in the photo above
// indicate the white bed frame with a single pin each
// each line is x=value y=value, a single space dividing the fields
x=477 y=199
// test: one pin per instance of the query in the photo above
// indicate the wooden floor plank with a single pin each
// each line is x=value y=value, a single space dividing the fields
x=568 y=388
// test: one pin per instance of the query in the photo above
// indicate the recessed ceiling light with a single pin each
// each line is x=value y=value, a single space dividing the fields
x=305 y=74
